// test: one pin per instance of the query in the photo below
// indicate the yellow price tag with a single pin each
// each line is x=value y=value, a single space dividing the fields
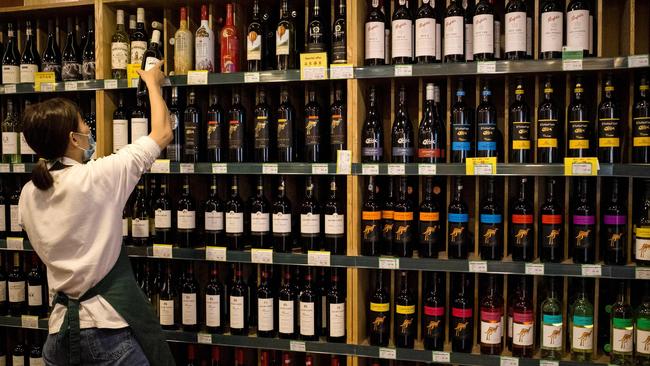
x=313 y=66
x=481 y=166
x=43 y=77
x=131 y=73
x=581 y=166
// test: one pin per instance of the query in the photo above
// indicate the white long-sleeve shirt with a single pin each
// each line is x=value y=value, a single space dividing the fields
x=75 y=227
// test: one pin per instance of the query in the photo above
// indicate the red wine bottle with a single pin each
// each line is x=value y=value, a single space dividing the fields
x=238 y=298
x=522 y=229
x=265 y=306
x=189 y=300
x=372 y=134
x=583 y=230
x=462 y=128
x=260 y=218
x=405 y=327
x=379 y=313
x=429 y=231
x=371 y=222
x=458 y=219
x=335 y=309
x=186 y=217
x=338 y=124
x=523 y=326
x=310 y=219
x=215 y=135
x=286 y=129
x=313 y=145
x=614 y=226
x=461 y=326
x=214 y=302
x=235 y=217
x=491 y=225
x=431 y=133
x=551 y=225
x=334 y=219
x=213 y=215
x=641 y=123
x=580 y=125
x=433 y=312
x=402 y=140
x=287 y=307
x=403 y=226
x=281 y=220
x=309 y=310
x=168 y=304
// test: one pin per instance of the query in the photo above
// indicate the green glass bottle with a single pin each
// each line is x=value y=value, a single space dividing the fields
x=642 y=341
x=582 y=325
x=552 y=324
x=622 y=325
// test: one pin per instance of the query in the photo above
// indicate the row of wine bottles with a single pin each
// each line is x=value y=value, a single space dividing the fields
x=23 y=289
x=467 y=32
x=76 y=61
x=195 y=355
x=25 y=348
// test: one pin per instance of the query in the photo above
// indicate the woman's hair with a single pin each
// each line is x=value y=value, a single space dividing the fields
x=46 y=126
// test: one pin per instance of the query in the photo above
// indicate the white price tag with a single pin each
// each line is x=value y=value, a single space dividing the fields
x=252 y=77
x=204 y=338
x=110 y=84
x=427 y=169
x=396 y=169
x=341 y=72
x=160 y=166
x=10 y=88
x=70 y=86
x=314 y=73
x=581 y=169
x=199 y=77
x=548 y=363
x=15 y=243
x=297 y=346
x=637 y=61
x=219 y=168
x=262 y=256
x=403 y=70
x=134 y=82
x=319 y=169
x=509 y=361
x=641 y=273
x=592 y=270
x=29 y=321
x=187 y=168
x=441 y=357
x=344 y=162
x=270 y=169
x=389 y=263
x=162 y=251
x=19 y=168
x=369 y=169
x=486 y=67
x=47 y=87
x=478 y=266
x=536 y=269
x=571 y=65
x=318 y=258
x=388 y=353
x=215 y=254
x=483 y=169
x=5 y=168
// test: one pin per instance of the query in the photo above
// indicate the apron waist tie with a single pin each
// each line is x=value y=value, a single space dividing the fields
x=71 y=326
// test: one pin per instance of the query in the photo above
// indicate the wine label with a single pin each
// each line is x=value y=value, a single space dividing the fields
x=234 y=222
x=214 y=134
x=3 y=291
x=491 y=229
x=88 y=69
x=9 y=143
x=27 y=73
x=3 y=218
x=615 y=232
x=139 y=228
x=261 y=132
x=583 y=337
x=237 y=312
x=374 y=45
x=18 y=360
x=371 y=225
x=622 y=333
x=285 y=316
x=515 y=32
x=119 y=55
x=191 y=135
x=16 y=291
x=461 y=137
x=163 y=219
x=337 y=320
x=469 y=42
x=204 y=48
x=120 y=134
x=552 y=330
x=189 y=309
x=34 y=295
x=642 y=244
x=235 y=135
x=284 y=133
x=70 y=70
x=282 y=41
x=434 y=321
x=307 y=318
x=10 y=74
x=522 y=230
x=577 y=29
x=454 y=42
x=337 y=130
x=523 y=329
x=547 y=132
x=265 y=315
x=213 y=310
x=425 y=37
x=186 y=219
x=583 y=231
x=521 y=135
x=213 y=221
x=334 y=224
x=403 y=227
x=551 y=230
x=254 y=46
x=281 y=223
x=310 y=223
x=139 y=128
x=14 y=219
x=643 y=336
x=402 y=144
x=138 y=49
x=25 y=149
x=579 y=135
x=487 y=137
x=260 y=222
x=491 y=327
x=483 y=33
x=312 y=134
x=402 y=38
x=34 y=361
x=609 y=132
x=125 y=227
x=552 y=27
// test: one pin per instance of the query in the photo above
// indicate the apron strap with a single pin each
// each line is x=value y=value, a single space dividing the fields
x=71 y=326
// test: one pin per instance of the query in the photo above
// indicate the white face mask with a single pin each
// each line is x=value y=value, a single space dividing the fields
x=92 y=145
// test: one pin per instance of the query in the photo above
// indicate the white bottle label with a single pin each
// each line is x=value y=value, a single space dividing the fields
x=307 y=318
x=643 y=341
x=310 y=223
x=265 y=315
x=3 y=290
x=282 y=41
x=119 y=55
x=402 y=38
x=469 y=42
x=163 y=219
x=25 y=149
x=622 y=340
x=150 y=63
x=237 y=312
x=166 y=312
x=425 y=37
x=516 y=31
x=483 y=33
x=120 y=134
x=491 y=333
x=125 y=227
x=552 y=336
x=27 y=73
x=204 y=47
x=282 y=223
x=3 y=218
x=9 y=143
x=509 y=325
x=285 y=318
x=583 y=338
x=10 y=74
x=254 y=46
x=214 y=221
x=14 y=219
x=552 y=27
x=642 y=250
x=18 y=360
x=139 y=228
x=213 y=310
x=16 y=291
x=522 y=334
x=189 y=309
x=3 y=360
x=139 y=128
x=577 y=29
x=35 y=361
x=186 y=219
x=234 y=222
x=375 y=40
x=35 y=295
x=137 y=51
x=260 y=222
x=334 y=224
x=454 y=35
x=337 y=320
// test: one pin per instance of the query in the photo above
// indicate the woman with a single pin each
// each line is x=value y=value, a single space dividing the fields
x=72 y=213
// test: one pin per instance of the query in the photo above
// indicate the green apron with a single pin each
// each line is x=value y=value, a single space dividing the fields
x=120 y=289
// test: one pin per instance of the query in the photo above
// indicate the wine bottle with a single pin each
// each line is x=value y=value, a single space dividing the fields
x=431 y=133
x=286 y=48
x=429 y=223
x=520 y=139
x=150 y=58
x=458 y=219
x=120 y=49
x=338 y=124
x=578 y=27
x=19 y=352
x=372 y=133
x=309 y=310
x=235 y=217
x=622 y=329
x=229 y=43
x=425 y=33
x=580 y=126
x=214 y=135
x=35 y=289
x=402 y=34
x=552 y=323
x=339 y=35
x=281 y=220
x=405 y=328
x=15 y=227
x=30 y=61
x=334 y=220
x=162 y=206
x=11 y=134
x=403 y=240
x=614 y=227
x=374 y=40
x=491 y=225
x=609 y=127
x=189 y=295
x=484 y=30
x=379 y=313
x=642 y=327
x=522 y=229
x=138 y=39
x=492 y=309
x=497 y=32
x=168 y=303
x=174 y=151
x=88 y=52
x=16 y=286
x=523 y=326
x=204 y=43
x=516 y=30
x=36 y=355
x=265 y=307
x=140 y=217
x=313 y=127
x=286 y=130
x=402 y=132
x=433 y=312
x=461 y=326
x=584 y=226
x=11 y=58
x=139 y=120
x=260 y=218
x=191 y=129
x=488 y=142
x=469 y=30
x=388 y=218
x=335 y=309
x=549 y=128
x=132 y=22
x=454 y=30
x=186 y=217
x=213 y=214
x=236 y=126
x=287 y=307
x=183 y=43
x=71 y=59
x=642 y=230
x=462 y=128
x=371 y=222
x=641 y=124
x=551 y=225
x=551 y=29
x=316 y=29
x=239 y=296
x=582 y=324
x=310 y=219
x=262 y=144
x=255 y=42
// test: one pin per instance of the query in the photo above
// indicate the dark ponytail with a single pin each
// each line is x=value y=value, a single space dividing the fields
x=47 y=126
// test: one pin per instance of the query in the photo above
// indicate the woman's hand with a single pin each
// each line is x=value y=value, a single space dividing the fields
x=154 y=76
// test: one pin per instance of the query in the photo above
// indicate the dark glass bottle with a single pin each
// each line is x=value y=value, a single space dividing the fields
x=583 y=229
x=234 y=216
x=642 y=230
x=551 y=225
x=150 y=58
x=454 y=31
x=430 y=240
x=316 y=29
x=335 y=312
x=522 y=229
x=388 y=217
x=174 y=150
x=462 y=128
x=262 y=136
x=71 y=58
x=162 y=210
x=520 y=139
x=214 y=302
x=372 y=133
x=310 y=219
x=431 y=133
x=88 y=52
x=339 y=35
x=51 y=60
x=375 y=27
x=458 y=219
x=236 y=127
x=338 y=124
x=168 y=302
x=260 y=217
x=426 y=30
x=578 y=26
x=515 y=30
x=402 y=34
x=286 y=129
x=214 y=136
x=461 y=326
x=610 y=134
x=334 y=222
x=4 y=301
x=30 y=61
x=580 y=126
x=402 y=139
x=281 y=220
x=238 y=301
x=313 y=127
x=641 y=124
x=614 y=226
x=265 y=307
x=36 y=283
x=19 y=351
x=287 y=307
x=191 y=130
x=551 y=36
x=622 y=328
x=139 y=120
x=140 y=235
x=488 y=141
x=11 y=58
x=371 y=222
x=491 y=225
x=255 y=45
x=286 y=48
x=189 y=300
x=213 y=216
x=484 y=28
x=492 y=312
x=549 y=128
x=379 y=313
x=433 y=312
x=186 y=217
x=405 y=327
x=309 y=310
x=138 y=39
x=403 y=240
x=523 y=321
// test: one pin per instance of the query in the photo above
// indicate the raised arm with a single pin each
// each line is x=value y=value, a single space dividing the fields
x=161 y=130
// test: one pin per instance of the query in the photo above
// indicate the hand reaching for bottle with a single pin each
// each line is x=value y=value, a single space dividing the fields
x=154 y=76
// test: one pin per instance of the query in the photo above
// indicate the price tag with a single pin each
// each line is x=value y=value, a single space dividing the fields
x=217 y=254
x=252 y=77
x=318 y=258
x=571 y=65
x=581 y=166
x=70 y=86
x=481 y=166
x=486 y=67
x=5 y=168
x=132 y=74
x=19 y=168
x=548 y=363
x=396 y=169
x=426 y=169
x=478 y=266
x=403 y=70
x=162 y=251
x=319 y=169
x=219 y=168
x=389 y=263
x=509 y=361
x=160 y=166
x=47 y=87
x=10 y=88
x=297 y=346
x=15 y=243
x=369 y=169
x=592 y=270
x=187 y=168
x=313 y=66
x=388 y=353
x=29 y=321
x=270 y=169
x=197 y=77
x=441 y=357
x=640 y=272
x=43 y=77
x=341 y=71
x=262 y=256
x=637 y=61
x=535 y=269
x=344 y=162
x=110 y=84
x=204 y=338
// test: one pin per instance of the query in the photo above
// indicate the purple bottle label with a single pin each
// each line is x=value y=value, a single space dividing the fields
x=614 y=220
x=584 y=220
